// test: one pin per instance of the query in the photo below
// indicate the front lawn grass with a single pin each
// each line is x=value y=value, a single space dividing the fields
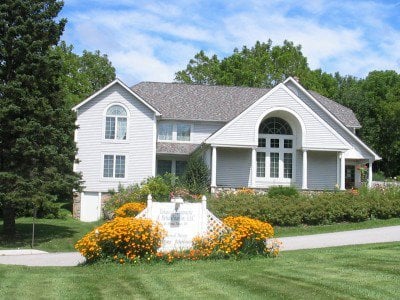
x=354 y=272
x=53 y=235
x=306 y=229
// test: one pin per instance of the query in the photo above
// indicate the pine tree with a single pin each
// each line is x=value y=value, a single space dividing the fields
x=37 y=148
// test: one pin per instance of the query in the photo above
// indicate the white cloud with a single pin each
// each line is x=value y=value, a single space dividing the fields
x=152 y=40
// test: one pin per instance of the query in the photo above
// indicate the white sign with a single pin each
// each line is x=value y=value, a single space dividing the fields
x=182 y=221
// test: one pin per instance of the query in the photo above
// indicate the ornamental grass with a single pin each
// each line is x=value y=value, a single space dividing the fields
x=122 y=238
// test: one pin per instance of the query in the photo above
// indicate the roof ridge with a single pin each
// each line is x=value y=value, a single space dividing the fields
x=204 y=85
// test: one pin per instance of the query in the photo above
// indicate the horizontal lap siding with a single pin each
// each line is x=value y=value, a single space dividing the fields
x=242 y=130
x=322 y=170
x=233 y=167
x=322 y=114
x=202 y=130
x=91 y=145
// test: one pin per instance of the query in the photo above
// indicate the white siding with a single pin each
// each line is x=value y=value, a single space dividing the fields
x=202 y=130
x=233 y=167
x=358 y=151
x=242 y=131
x=138 y=147
x=322 y=170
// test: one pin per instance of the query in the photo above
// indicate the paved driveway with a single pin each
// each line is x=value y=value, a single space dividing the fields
x=355 y=237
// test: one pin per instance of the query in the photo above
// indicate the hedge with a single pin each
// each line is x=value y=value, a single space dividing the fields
x=312 y=208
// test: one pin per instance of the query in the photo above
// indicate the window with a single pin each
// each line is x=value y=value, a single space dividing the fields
x=164 y=166
x=180 y=167
x=260 y=164
x=116 y=123
x=275 y=126
x=114 y=166
x=165 y=131
x=287 y=165
x=183 y=132
x=274 y=165
x=276 y=151
x=169 y=131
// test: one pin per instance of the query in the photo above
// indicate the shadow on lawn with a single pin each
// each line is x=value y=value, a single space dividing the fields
x=43 y=233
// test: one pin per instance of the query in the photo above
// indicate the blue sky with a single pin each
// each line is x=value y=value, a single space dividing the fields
x=151 y=40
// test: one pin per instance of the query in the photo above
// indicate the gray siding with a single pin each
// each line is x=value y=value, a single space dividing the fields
x=242 y=131
x=322 y=170
x=360 y=150
x=138 y=147
x=233 y=167
x=202 y=130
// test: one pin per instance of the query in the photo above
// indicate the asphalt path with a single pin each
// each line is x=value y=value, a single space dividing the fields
x=28 y=257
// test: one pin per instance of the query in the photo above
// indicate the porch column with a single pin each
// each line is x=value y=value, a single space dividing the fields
x=253 y=167
x=370 y=173
x=213 y=169
x=342 y=174
x=305 y=169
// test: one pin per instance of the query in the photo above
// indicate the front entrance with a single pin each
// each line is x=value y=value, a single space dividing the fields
x=350 y=172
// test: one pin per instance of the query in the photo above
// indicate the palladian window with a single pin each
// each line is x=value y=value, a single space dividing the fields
x=276 y=151
x=116 y=123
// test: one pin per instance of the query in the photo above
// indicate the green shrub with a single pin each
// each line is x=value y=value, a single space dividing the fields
x=311 y=209
x=288 y=191
x=196 y=176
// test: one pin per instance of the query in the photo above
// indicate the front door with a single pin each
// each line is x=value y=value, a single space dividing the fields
x=350 y=177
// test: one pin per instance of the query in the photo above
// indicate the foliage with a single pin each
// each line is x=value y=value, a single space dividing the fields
x=288 y=191
x=130 y=209
x=122 y=239
x=82 y=75
x=312 y=209
x=196 y=176
x=36 y=132
x=263 y=65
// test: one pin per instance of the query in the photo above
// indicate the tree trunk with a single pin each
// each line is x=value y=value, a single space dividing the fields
x=9 y=221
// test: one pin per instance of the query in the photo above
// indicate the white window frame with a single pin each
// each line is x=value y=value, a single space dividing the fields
x=174 y=138
x=281 y=150
x=114 y=155
x=115 y=140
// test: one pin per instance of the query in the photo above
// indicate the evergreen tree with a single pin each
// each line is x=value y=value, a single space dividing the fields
x=37 y=148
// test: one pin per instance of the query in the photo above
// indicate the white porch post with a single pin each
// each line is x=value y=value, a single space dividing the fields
x=305 y=169
x=370 y=173
x=213 y=169
x=253 y=167
x=342 y=174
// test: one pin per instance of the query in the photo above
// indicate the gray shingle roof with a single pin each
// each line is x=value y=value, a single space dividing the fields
x=342 y=113
x=181 y=101
x=176 y=148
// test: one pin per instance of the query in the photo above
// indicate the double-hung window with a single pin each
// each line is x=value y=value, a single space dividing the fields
x=170 y=131
x=116 y=123
x=114 y=166
x=165 y=131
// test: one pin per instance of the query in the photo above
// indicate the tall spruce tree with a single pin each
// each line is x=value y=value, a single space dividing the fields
x=37 y=148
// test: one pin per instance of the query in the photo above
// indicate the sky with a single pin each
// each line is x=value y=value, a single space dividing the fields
x=152 y=40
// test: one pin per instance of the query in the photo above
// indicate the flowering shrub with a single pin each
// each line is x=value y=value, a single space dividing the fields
x=130 y=209
x=122 y=239
x=245 y=236
x=245 y=191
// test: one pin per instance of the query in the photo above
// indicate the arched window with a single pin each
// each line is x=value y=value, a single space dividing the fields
x=116 y=123
x=275 y=126
x=276 y=151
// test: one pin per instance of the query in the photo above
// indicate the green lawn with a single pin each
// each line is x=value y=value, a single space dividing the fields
x=305 y=230
x=60 y=235
x=356 y=272
x=53 y=235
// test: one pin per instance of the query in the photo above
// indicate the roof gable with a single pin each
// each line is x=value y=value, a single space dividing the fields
x=116 y=81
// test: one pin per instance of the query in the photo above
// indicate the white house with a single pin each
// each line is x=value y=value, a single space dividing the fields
x=249 y=137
